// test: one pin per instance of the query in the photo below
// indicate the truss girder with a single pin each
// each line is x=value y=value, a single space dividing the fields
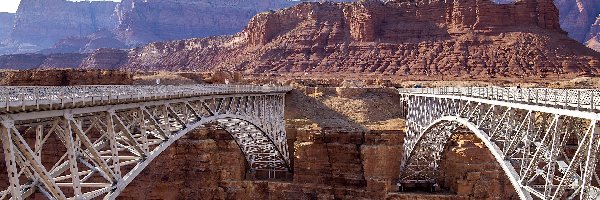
x=105 y=147
x=546 y=151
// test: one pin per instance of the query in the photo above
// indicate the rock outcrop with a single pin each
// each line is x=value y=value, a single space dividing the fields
x=6 y=25
x=577 y=17
x=42 y=23
x=593 y=39
x=452 y=39
x=61 y=26
x=464 y=37
x=54 y=77
x=143 y=21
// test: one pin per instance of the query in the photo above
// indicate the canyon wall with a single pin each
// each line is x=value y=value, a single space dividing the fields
x=142 y=21
x=459 y=38
x=6 y=25
x=64 y=77
x=60 y=26
x=42 y=23
x=577 y=17
x=581 y=19
x=447 y=39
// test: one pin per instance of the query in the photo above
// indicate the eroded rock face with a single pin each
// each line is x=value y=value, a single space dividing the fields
x=454 y=39
x=64 y=78
x=442 y=37
x=6 y=25
x=142 y=21
x=577 y=16
x=593 y=40
x=42 y=23
x=470 y=170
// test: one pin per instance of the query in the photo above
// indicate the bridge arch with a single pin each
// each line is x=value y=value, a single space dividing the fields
x=455 y=122
x=109 y=134
x=545 y=140
x=277 y=161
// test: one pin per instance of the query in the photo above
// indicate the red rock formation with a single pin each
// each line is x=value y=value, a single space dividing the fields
x=577 y=16
x=444 y=38
x=64 y=78
x=141 y=22
x=593 y=39
x=463 y=37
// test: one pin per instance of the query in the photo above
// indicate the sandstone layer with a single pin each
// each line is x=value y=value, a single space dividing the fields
x=521 y=39
x=452 y=39
x=64 y=78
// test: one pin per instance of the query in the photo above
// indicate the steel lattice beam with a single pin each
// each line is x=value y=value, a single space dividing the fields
x=546 y=140
x=111 y=133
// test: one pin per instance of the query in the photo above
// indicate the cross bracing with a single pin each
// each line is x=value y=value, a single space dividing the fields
x=545 y=140
x=90 y=142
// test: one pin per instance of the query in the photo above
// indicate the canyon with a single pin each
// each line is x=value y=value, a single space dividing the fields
x=46 y=24
x=452 y=40
x=133 y=23
x=579 y=18
x=337 y=151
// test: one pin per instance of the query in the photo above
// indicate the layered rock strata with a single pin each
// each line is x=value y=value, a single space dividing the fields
x=398 y=37
x=433 y=38
x=6 y=25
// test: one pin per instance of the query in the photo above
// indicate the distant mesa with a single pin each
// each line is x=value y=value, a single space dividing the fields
x=46 y=26
x=454 y=39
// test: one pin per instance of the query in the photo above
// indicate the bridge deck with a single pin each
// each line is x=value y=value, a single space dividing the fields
x=22 y=99
x=571 y=99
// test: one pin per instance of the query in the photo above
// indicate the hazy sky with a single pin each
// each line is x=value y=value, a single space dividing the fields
x=12 y=5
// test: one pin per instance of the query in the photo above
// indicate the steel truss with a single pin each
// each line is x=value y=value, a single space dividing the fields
x=106 y=144
x=548 y=149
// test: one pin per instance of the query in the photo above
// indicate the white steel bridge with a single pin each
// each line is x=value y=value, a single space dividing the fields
x=87 y=142
x=545 y=140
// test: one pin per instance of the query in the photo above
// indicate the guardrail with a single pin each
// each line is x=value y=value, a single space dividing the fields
x=566 y=98
x=38 y=96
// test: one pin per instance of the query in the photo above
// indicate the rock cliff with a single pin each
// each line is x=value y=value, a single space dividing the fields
x=577 y=16
x=40 y=24
x=593 y=39
x=463 y=37
x=44 y=22
x=452 y=39
x=143 y=21
x=6 y=25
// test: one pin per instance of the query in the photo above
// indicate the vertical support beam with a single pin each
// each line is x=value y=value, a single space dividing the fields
x=112 y=138
x=39 y=139
x=554 y=150
x=144 y=129
x=10 y=160
x=72 y=156
x=590 y=162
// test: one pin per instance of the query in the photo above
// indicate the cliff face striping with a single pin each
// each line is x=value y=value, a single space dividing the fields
x=454 y=38
x=52 y=22
x=443 y=38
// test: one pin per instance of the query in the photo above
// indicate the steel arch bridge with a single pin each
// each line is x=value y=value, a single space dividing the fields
x=104 y=136
x=545 y=140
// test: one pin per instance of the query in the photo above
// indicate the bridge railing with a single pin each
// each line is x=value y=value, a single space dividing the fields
x=572 y=98
x=36 y=96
